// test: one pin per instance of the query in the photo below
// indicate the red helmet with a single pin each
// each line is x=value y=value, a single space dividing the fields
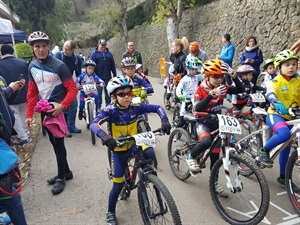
x=194 y=46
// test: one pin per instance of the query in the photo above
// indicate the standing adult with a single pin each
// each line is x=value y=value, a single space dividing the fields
x=51 y=79
x=131 y=52
x=227 y=51
x=73 y=62
x=177 y=57
x=252 y=55
x=11 y=68
x=105 y=67
x=194 y=49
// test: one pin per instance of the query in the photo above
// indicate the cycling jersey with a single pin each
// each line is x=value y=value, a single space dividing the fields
x=188 y=84
x=138 y=84
x=123 y=121
x=84 y=78
x=284 y=90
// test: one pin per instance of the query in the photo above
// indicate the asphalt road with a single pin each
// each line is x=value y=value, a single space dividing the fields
x=84 y=200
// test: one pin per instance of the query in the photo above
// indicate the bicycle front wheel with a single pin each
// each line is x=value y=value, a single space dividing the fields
x=177 y=149
x=292 y=181
x=249 y=203
x=156 y=204
x=91 y=118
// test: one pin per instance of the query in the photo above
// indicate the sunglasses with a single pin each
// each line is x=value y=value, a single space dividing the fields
x=216 y=77
x=123 y=94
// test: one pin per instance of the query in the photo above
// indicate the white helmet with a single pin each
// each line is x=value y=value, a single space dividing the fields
x=118 y=82
x=137 y=66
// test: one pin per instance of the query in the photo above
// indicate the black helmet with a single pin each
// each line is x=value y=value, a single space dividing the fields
x=89 y=62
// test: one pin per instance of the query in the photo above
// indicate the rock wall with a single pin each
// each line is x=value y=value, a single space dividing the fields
x=276 y=24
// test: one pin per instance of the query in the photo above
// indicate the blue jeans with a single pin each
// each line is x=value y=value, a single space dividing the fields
x=107 y=97
x=72 y=114
x=14 y=209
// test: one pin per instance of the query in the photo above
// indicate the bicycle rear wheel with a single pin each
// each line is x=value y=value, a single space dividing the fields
x=156 y=204
x=292 y=181
x=91 y=118
x=176 y=113
x=247 y=205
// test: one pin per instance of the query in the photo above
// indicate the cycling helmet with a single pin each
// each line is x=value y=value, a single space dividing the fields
x=213 y=67
x=267 y=62
x=137 y=66
x=194 y=46
x=89 y=62
x=38 y=36
x=284 y=56
x=244 y=69
x=192 y=62
x=118 y=82
x=127 y=61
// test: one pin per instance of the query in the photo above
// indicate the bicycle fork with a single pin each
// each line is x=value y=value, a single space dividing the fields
x=87 y=101
x=226 y=164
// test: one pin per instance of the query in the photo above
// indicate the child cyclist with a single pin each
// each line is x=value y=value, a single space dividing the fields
x=269 y=72
x=245 y=73
x=209 y=97
x=121 y=116
x=187 y=85
x=88 y=77
x=283 y=92
x=169 y=85
x=139 y=71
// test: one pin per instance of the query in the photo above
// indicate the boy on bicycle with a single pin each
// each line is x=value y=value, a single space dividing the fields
x=187 y=85
x=245 y=73
x=283 y=92
x=121 y=116
x=88 y=77
x=209 y=97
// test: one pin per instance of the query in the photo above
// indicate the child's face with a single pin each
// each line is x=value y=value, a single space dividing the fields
x=289 y=67
x=248 y=77
x=271 y=69
x=90 y=69
x=193 y=71
x=140 y=70
x=123 y=96
x=129 y=71
x=216 y=80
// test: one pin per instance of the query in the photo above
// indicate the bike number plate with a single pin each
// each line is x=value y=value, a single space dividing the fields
x=146 y=138
x=229 y=124
x=258 y=97
x=136 y=100
x=89 y=88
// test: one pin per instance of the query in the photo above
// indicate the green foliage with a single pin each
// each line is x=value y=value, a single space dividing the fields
x=164 y=9
x=24 y=51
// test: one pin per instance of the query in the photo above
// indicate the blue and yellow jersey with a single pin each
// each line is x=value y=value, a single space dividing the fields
x=284 y=90
x=123 y=121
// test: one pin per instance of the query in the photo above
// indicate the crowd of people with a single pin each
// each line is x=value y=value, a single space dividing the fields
x=49 y=78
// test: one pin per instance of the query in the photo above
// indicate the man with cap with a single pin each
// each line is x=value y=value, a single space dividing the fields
x=227 y=51
x=11 y=69
x=105 y=67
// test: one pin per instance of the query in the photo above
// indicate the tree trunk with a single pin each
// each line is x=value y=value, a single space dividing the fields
x=172 y=30
x=123 y=18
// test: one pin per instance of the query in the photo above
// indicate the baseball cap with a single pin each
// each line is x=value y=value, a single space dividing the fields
x=101 y=42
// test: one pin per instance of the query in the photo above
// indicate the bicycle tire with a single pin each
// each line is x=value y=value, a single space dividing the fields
x=165 y=101
x=91 y=117
x=176 y=160
x=248 y=205
x=156 y=204
x=251 y=146
x=292 y=181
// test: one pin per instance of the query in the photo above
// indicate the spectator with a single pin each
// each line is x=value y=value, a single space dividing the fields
x=227 y=51
x=55 y=50
x=194 y=49
x=11 y=68
x=105 y=67
x=51 y=79
x=252 y=55
x=12 y=204
x=131 y=52
x=177 y=57
x=73 y=62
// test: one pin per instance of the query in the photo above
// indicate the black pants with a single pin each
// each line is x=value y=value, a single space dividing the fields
x=60 y=153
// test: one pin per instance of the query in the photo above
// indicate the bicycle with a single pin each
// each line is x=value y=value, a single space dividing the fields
x=172 y=100
x=248 y=200
x=188 y=105
x=155 y=201
x=292 y=174
x=89 y=112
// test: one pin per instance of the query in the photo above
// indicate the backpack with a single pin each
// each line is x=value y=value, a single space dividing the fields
x=77 y=58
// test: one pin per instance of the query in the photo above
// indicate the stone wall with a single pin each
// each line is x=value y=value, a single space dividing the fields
x=276 y=24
